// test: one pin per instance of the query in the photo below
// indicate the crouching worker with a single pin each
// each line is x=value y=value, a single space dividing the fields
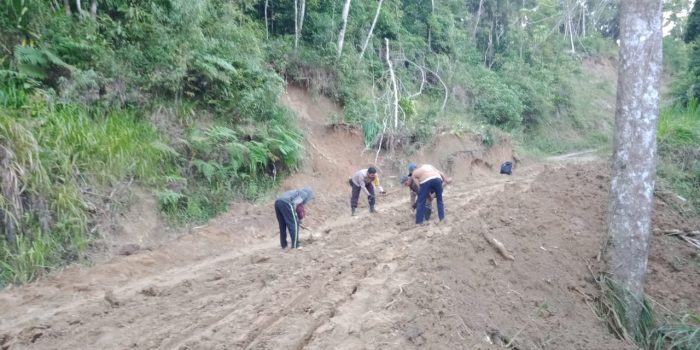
x=289 y=208
x=414 y=189
x=362 y=180
x=430 y=180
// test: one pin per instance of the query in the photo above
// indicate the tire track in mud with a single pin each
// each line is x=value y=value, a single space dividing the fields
x=344 y=287
x=367 y=276
x=230 y=300
x=322 y=296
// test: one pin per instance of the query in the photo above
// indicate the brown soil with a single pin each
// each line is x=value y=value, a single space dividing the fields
x=372 y=281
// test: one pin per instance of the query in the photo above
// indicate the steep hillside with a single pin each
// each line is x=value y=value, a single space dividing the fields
x=372 y=281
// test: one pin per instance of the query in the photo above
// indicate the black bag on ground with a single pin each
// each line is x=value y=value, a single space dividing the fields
x=507 y=168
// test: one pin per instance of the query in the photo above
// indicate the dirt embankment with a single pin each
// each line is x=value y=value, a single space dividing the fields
x=372 y=281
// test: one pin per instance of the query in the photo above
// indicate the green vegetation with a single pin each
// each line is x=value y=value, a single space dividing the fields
x=679 y=151
x=52 y=156
x=653 y=331
x=679 y=123
x=181 y=96
x=613 y=310
x=688 y=87
x=679 y=334
x=176 y=96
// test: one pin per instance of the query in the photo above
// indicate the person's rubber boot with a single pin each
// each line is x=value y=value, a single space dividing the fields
x=354 y=212
x=372 y=210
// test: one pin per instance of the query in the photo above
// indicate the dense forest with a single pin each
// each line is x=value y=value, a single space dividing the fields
x=180 y=96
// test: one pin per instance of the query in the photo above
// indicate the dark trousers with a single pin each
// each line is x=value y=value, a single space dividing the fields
x=287 y=218
x=356 y=194
x=434 y=185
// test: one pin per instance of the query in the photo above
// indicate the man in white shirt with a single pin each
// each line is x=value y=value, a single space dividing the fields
x=362 y=180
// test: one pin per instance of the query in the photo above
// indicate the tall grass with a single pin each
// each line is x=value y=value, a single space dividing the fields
x=682 y=334
x=614 y=310
x=649 y=332
x=105 y=146
x=679 y=151
x=52 y=155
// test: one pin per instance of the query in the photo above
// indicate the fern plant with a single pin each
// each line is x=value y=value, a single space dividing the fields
x=36 y=63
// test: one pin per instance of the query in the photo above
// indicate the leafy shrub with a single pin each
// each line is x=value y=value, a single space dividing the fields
x=497 y=103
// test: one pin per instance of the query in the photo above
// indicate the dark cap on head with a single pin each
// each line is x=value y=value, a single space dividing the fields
x=371 y=170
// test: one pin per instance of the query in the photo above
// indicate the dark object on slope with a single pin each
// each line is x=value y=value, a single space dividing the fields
x=507 y=168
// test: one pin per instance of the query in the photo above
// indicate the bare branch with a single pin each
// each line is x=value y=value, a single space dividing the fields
x=422 y=72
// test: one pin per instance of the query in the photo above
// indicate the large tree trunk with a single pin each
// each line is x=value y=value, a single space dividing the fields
x=371 y=29
x=341 y=35
x=634 y=159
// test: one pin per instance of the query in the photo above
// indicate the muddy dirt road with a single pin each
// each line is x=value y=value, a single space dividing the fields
x=376 y=281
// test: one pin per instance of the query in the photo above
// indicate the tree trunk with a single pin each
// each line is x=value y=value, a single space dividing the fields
x=430 y=30
x=267 y=28
x=272 y=17
x=371 y=29
x=66 y=5
x=296 y=24
x=93 y=9
x=634 y=159
x=478 y=18
x=298 y=21
x=79 y=7
x=583 y=20
x=568 y=8
x=341 y=35
x=394 y=86
x=571 y=34
x=301 y=17
x=487 y=55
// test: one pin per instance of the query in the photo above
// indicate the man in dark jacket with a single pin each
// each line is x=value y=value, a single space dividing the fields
x=289 y=208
